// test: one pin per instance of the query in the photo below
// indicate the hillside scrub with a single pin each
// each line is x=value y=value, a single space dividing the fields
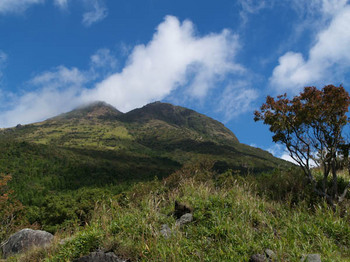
x=233 y=219
x=11 y=210
x=310 y=126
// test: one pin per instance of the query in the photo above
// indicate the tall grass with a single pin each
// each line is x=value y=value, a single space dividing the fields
x=234 y=217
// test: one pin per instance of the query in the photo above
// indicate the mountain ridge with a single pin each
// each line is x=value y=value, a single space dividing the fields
x=156 y=129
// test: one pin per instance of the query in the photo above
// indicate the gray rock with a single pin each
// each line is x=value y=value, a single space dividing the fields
x=100 y=257
x=257 y=258
x=311 y=258
x=24 y=240
x=184 y=219
x=270 y=254
x=165 y=231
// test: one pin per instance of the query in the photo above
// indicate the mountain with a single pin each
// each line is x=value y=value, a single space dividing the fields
x=155 y=130
x=97 y=147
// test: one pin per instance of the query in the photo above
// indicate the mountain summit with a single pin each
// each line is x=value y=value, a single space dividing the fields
x=98 y=109
x=179 y=117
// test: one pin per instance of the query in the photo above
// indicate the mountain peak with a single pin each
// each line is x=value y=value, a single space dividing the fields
x=180 y=117
x=97 y=109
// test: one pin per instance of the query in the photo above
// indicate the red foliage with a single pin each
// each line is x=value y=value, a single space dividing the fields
x=310 y=126
x=10 y=208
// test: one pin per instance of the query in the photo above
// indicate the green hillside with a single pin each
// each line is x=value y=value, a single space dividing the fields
x=157 y=129
x=105 y=180
x=97 y=150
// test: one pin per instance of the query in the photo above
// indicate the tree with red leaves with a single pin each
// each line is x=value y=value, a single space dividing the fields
x=10 y=208
x=311 y=127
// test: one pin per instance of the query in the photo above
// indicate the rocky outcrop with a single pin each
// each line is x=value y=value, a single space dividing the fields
x=24 y=240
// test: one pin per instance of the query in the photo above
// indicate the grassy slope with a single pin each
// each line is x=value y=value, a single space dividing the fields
x=233 y=219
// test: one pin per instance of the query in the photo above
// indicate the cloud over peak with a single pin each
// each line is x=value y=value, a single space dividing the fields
x=175 y=58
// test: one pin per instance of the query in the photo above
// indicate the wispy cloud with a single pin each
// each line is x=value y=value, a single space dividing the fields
x=16 y=6
x=3 y=59
x=237 y=98
x=103 y=59
x=249 y=7
x=328 y=59
x=280 y=151
x=59 y=77
x=61 y=3
x=97 y=13
x=176 y=57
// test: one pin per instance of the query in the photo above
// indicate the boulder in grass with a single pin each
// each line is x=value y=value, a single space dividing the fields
x=24 y=240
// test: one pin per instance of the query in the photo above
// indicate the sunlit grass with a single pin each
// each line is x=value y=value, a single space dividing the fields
x=232 y=221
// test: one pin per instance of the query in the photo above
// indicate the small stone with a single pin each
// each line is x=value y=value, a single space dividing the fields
x=257 y=258
x=270 y=254
x=311 y=258
x=185 y=219
x=165 y=231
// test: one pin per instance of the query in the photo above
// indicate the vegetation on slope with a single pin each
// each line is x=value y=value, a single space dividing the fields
x=234 y=217
x=61 y=166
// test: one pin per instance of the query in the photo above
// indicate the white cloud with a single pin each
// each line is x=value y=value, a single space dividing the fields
x=3 y=59
x=237 y=98
x=249 y=7
x=280 y=151
x=98 y=13
x=57 y=91
x=97 y=10
x=61 y=3
x=328 y=59
x=60 y=76
x=35 y=106
x=16 y=6
x=175 y=57
x=103 y=59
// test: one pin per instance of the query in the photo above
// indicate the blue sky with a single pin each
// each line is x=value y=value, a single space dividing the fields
x=221 y=58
